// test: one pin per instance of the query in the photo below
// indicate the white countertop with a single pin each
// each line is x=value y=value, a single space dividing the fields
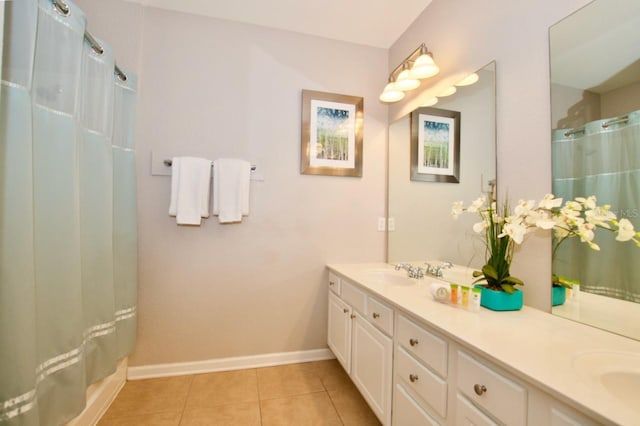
x=535 y=345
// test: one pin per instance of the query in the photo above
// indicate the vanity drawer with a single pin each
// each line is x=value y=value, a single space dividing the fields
x=468 y=414
x=428 y=386
x=334 y=283
x=503 y=398
x=353 y=296
x=380 y=315
x=424 y=345
x=407 y=412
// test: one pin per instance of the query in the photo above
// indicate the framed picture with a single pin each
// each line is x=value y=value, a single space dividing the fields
x=331 y=134
x=435 y=145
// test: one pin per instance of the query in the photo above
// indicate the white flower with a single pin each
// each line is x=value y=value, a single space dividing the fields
x=548 y=202
x=625 y=230
x=457 y=209
x=524 y=207
x=545 y=221
x=479 y=227
x=475 y=206
x=589 y=203
x=585 y=231
x=600 y=216
x=514 y=230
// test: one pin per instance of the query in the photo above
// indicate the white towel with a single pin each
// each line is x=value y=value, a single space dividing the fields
x=190 y=179
x=231 y=189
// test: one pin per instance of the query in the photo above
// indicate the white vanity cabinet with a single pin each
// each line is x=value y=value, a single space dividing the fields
x=359 y=334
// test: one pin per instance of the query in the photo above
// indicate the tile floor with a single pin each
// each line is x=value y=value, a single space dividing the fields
x=313 y=393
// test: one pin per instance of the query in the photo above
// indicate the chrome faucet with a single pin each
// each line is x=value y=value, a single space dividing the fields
x=412 y=271
x=436 y=271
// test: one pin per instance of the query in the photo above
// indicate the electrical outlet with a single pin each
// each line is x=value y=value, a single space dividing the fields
x=391 y=225
x=382 y=224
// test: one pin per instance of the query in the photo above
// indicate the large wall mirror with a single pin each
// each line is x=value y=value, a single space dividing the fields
x=424 y=228
x=595 y=108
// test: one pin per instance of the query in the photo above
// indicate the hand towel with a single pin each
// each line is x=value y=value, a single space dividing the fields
x=190 y=180
x=231 y=189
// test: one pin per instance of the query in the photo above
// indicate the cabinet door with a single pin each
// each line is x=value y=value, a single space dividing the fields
x=339 y=330
x=371 y=367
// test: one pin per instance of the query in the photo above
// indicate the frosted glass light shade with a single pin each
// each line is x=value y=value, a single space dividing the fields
x=391 y=93
x=468 y=80
x=424 y=67
x=447 y=92
x=430 y=102
x=405 y=81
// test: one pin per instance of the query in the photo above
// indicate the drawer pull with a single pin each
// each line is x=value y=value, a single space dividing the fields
x=413 y=342
x=413 y=378
x=353 y=316
x=479 y=389
x=332 y=283
x=376 y=315
x=346 y=310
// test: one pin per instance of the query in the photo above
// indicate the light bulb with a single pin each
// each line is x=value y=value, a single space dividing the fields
x=405 y=80
x=468 y=80
x=391 y=93
x=447 y=92
x=424 y=67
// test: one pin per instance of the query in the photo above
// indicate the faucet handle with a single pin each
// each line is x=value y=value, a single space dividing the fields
x=399 y=266
x=446 y=265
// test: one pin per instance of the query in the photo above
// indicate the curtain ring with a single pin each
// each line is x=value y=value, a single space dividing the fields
x=62 y=8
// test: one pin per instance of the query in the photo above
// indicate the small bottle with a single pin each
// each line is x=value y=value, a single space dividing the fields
x=465 y=296
x=476 y=294
x=454 y=294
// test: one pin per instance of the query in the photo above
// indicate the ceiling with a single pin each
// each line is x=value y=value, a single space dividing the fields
x=377 y=23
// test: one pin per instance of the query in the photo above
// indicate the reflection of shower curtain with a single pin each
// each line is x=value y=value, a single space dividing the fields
x=68 y=265
x=603 y=161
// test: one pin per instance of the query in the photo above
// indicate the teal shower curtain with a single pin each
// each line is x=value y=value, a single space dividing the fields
x=68 y=246
x=603 y=161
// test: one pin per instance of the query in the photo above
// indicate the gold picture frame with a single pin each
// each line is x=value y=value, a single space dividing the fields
x=332 y=127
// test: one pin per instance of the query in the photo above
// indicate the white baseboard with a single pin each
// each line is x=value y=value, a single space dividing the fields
x=100 y=395
x=226 y=364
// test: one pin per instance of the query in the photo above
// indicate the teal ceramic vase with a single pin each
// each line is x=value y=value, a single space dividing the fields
x=559 y=295
x=500 y=300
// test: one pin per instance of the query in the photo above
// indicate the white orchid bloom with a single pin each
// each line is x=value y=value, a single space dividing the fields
x=625 y=230
x=585 y=231
x=457 y=209
x=548 y=202
x=589 y=203
x=600 y=216
x=515 y=230
x=477 y=204
x=545 y=221
x=524 y=207
x=479 y=227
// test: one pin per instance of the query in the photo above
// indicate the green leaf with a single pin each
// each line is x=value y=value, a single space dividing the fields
x=508 y=288
x=490 y=272
x=477 y=274
x=513 y=280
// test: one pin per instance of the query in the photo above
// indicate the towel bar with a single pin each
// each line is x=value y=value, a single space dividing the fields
x=168 y=163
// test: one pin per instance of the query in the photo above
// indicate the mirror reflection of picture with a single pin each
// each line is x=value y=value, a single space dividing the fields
x=435 y=145
x=331 y=141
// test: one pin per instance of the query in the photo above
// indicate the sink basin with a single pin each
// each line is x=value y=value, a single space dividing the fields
x=618 y=373
x=388 y=277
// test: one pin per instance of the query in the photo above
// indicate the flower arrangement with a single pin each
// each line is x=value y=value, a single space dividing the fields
x=502 y=231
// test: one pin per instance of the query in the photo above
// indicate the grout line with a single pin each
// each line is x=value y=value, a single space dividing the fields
x=255 y=371
x=186 y=400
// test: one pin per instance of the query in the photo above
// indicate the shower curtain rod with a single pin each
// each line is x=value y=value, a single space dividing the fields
x=64 y=10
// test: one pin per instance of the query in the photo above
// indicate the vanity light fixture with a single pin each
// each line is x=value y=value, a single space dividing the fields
x=406 y=76
x=448 y=91
x=430 y=102
x=468 y=80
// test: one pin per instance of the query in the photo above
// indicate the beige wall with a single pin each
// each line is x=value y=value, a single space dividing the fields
x=571 y=107
x=214 y=88
x=621 y=101
x=464 y=35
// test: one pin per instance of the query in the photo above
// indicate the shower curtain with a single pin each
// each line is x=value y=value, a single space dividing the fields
x=68 y=244
x=603 y=161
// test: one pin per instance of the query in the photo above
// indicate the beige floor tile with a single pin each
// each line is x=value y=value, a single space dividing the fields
x=352 y=408
x=242 y=414
x=286 y=380
x=228 y=387
x=155 y=419
x=301 y=410
x=150 y=396
x=332 y=374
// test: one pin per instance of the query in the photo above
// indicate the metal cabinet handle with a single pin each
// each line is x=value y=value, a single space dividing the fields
x=353 y=316
x=376 y=315
x=479 y=389
x=332 y=283
x=346 y=310
x=413 y=378
x=413 y=342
